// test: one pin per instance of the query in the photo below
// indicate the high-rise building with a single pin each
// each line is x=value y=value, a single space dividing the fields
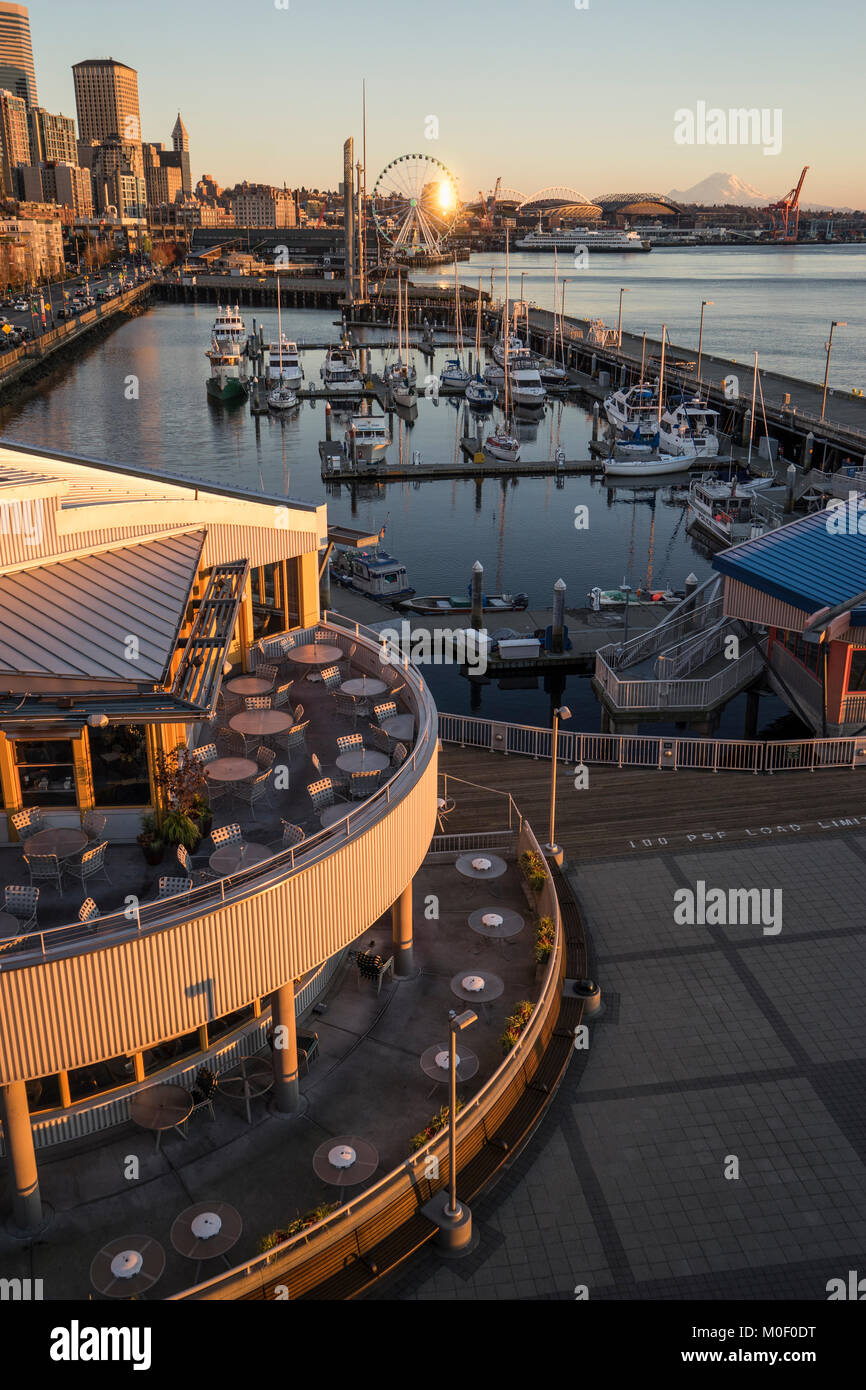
x=107 y=160
x=68 y=185
x=180 y=145
x=259 y=205
x=14 y=138
x=163 y=175
x=17 y=73
x=106 y=95
x=51 y=137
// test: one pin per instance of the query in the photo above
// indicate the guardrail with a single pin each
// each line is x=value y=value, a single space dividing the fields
x=184 y=907
x=654 y=751
x=349 y=1235
x=678 y=694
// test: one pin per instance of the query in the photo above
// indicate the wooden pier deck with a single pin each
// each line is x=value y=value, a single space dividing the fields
x=627 y=811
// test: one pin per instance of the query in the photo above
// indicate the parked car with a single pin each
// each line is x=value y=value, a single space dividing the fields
x=21 y=307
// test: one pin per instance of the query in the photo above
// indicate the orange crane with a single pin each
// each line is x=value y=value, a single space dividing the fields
x=487 y=207
x=785 y=215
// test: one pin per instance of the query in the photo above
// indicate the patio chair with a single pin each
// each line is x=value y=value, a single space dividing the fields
x=258 y=702
x=347 y=706
x=21 y=902
x=254 y=791
x=347 y=743
x=323 y=794
x=331 y=678
x=298 y=714
x=185 y=864
x=281 y=695
x=363 y=784
x=44 y=868
x=88 y=911
x=265 y=758
x=292 y=835
x=373 y=967
x=380 y=739
x=92 y=862
x=339 y=778
x=345 y=663
x=397 y=726
x=399 y=756
x=28 y=822
x=308 y=1048
x=265 y=672
x=230 y=743
x=205 y=753
x=396 y=689
x=226 y=835
x=203 y=1092
x=172 y=886
x=294 y=738
x=93 y=824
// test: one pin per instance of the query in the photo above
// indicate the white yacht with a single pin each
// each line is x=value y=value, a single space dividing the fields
x=690 y=427
x=229 y=329
x=283 y=363
x=373 y=573
x=524 y=380
x=479 y=395
x=634 y=411
x=502 y=445
x=569 y=238
x=513 y=349
x=366 y=435
x=494 y=375
x=228 y=382
x=340 y=372
x=647 y=465
x=453 y=378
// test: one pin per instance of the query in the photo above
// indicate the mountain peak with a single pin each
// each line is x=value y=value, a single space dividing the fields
x=720 y=188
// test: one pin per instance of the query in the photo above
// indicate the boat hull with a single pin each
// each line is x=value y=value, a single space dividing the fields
x=229 y=391
x=441 y=603
x=647 y=468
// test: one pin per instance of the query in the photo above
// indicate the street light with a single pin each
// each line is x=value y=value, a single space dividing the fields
x=453 y=1209
x=552 y=848
x=619 y=322
x=837 y=323
x=704 y=304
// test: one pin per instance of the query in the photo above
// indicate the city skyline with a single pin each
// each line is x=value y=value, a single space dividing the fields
x=492 y=117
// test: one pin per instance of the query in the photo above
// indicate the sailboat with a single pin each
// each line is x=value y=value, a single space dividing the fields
x=553 y=374
x=402 y=378
x=283 y=396
x=453 y=379
x=479 y=395
x=638 y=461
x=501 y=444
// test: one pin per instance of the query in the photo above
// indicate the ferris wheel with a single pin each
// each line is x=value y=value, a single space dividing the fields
x=415 y=204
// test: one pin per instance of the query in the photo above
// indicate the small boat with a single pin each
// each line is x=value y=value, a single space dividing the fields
x=453 y=378
x=502 y=445
x=479 y=395
x=340 y=372
x=646 y=464
x=284 y=364
x=401 y=377
x=373 y=573
x=724 y=509
x=459 y=603
x=507 y=347
x=282 y=398
x=553 y=377
x=494 y=376
x=692 y=427
x=524 y=380
x=634 y=411
x=404 y=392
x=366 y=435
x=641 y=598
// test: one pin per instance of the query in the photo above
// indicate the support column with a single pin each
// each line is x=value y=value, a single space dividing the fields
x=20 y=1156
x=401 y=927
x=286 y=1096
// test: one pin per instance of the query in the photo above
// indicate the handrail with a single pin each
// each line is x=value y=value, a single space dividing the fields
x=681 y=692
x=184 y=907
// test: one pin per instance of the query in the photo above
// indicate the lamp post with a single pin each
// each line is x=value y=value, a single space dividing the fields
x=453 y=1218
x=619 y=320
x=552 y=848
x=704 y=304
x=837 y=323
x=458 y=1023
x=626 y=588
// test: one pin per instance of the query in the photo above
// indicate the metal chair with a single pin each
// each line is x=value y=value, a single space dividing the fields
x=266 y=673
x=185 y=864
x=226 y=835
x=346 y=706
x=346 y=663
x=88 y=911
x=381 y=739
x=295 y=737
x=292 y=835
x=323 y=794
x=363 y=784
x=203 y=1092
x=298 y=714
x=339 y=778
x=92 y=862
x=308 y=1048
x=331 y=678
x=230 y=743
x=205 y=753
x=258 y=702
x=397 y=726
x=371 y=967
x=265 y=758
x=346 y=743
x=42 y=868
x=254 y=791
x=173 y=887
x=21 y=902
x=399 y=756
x=28 y=822
x=93 y=824
x=281 y=695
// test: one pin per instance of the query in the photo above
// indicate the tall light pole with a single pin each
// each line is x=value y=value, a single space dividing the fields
x=619 y=320
x=453 y=1218
x=552 y=848
x=704 y=304
x=837 y=323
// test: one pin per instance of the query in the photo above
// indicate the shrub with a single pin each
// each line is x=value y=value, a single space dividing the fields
x=534 y=869
x=545 y=935
x=439 y=1121
x=294 y=1228
x=515 y=1024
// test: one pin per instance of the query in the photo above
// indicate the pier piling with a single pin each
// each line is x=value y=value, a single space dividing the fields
x=477 y=595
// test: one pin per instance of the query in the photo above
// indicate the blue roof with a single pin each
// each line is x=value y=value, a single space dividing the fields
x=818 y=561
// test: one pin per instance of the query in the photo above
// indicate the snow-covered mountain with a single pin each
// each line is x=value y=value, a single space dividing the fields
x=718 y=189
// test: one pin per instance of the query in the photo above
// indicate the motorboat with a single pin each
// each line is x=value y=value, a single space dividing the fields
x=646 y=464
x=634 y=411
x=340 y=373
x=366 y=435
x=460 y=603
x=690 y=426
x=525 y=382
x=724 y=508
x=284 y=363
x=371 y=572
x=494 y=375
x=641 y=598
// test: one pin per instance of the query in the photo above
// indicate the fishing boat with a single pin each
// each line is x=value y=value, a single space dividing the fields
x=283 y=398
x=690 y=427
x=479 y=395
x=366 y=435
x=284 y=366
x=371 y=572
x=340 y=373
x=460 y=603
x=724 y=509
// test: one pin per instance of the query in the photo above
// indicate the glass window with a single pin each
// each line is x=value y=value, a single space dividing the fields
x=46 y=772
x=118 y=761
x=857 y=678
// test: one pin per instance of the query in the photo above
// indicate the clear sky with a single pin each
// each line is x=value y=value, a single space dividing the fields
x=538 y=91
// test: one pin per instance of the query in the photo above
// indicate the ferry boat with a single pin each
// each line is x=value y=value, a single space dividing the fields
x=723 y=508
x=634 y=411
x=690 y=427
x=458 y=603
x=524 y=380
x=284 y=364
x=340 y=372
x=371 y=572
x=568 y=239
x=513 y=348
x=366 y=435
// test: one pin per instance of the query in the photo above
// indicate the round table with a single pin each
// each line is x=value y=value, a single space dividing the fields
x=9 y=925
x=106 y=1282
x=496 y=870
x=252 y=1077
x=161 y=1107
x=230 y=859
x=510 y=925
x=316 y=654
x=493 y=986
x=62 y=843
x=363 y=686
x=259 y=723
x=230 y=769
x=467 y=1062
x=363 y=760
x=198 y=1247
x=338 y=811
x=363 y=1167
x=250 y=685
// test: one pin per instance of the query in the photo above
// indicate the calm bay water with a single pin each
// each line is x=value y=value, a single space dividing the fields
x=522 y=531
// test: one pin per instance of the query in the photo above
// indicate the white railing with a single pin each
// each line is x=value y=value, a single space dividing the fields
x=652 y=750
x=664 y=694
x=668 y=632
x=692 y=653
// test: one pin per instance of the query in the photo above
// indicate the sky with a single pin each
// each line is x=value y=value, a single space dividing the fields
x=540 y=92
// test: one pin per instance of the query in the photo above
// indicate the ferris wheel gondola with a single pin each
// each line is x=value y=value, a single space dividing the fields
x=415 y=204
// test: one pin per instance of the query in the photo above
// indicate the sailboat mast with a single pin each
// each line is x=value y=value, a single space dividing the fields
x=279 y=327
x=507 y=326
x=662 y=374
x=642 y=357
x=752 y=416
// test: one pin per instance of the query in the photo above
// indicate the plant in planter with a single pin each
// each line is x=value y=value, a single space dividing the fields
x=182 y=782
x=202 y=815
x=179 y=828
x=545 y=936
x=151 y=841
x=294 y=1228
x=439 y=1121
x=515 y=1024
x=534 y=870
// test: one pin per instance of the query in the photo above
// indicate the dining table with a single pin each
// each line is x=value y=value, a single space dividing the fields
x=251 y=1078
x=260 y=723
x=363 y=760
x=206 y=1231
x=316 y=654
x=230 y=769
x=161 y=1107
x=60 y=841
x=127 y=1266
x=363 y=687
x=231 y=859
x=250 y=685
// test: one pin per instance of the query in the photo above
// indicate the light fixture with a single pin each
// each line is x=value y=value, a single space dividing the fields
x=97 y=721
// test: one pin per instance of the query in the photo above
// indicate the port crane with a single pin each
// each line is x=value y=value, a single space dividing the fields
x=488 y=205
x=785 y=214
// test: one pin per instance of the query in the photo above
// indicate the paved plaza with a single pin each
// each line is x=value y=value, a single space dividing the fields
x=720 y=1048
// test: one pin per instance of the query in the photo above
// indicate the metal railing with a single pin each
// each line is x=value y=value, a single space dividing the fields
x=653 y=751
x=138 y=918
x=671 y=630
x=678 y=694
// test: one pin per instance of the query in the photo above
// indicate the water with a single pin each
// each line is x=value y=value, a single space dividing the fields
x=780 y=301
x=521 y=530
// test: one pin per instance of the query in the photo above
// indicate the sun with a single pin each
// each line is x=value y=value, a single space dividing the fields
x=446 y=197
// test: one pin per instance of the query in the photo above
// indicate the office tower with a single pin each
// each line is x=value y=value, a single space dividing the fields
x=106 y=95
x=51 y=137
x=17 y=73
x=14 y=139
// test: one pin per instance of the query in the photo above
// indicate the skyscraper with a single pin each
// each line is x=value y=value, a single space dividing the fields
x=106 y=95
x=17 y=73
x=51 y=137
x=14 y=138
x=180 y=145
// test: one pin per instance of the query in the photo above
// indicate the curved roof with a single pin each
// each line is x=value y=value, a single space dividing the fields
x=621 y=200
